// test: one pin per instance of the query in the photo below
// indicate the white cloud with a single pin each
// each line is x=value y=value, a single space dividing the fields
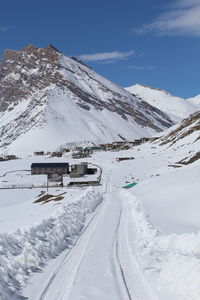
x=3 y=29
x=183 y=18
x=106 y=56
x=141 y=68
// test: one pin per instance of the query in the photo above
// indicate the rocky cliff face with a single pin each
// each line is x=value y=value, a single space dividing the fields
x=188 y=127
x=31 y=76
x=26 y=71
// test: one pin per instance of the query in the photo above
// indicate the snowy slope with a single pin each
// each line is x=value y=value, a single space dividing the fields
x=178 y=108
x=60 y=120
x=53 y=99
x=195 y=100
x=184 y=139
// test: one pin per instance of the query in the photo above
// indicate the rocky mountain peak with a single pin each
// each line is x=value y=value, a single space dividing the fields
x=29 y=48
x=30 y=51
x=52 y=47
x=48 y=52
x=10 y=55
x=25 y=71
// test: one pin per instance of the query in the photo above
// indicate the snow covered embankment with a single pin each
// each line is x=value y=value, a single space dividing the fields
x=171 y=262
x=25 y=252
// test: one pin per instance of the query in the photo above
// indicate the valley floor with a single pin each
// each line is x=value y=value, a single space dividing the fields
x=110 y=243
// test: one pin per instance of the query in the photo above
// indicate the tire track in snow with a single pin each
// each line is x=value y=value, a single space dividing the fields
x=120 y=272
x=81 y=242
x=136 y=285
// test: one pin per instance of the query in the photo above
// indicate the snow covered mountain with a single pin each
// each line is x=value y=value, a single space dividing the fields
x=178 y=108
x=195 y=100
x=48 y=99
x=184 y=139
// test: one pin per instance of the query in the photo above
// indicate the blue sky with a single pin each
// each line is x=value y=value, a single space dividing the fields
x=154 y=42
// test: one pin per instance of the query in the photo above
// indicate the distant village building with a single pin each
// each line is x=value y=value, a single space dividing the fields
x=37 y=153
x=137 y=142
x=125 y=147
x=119 y=143
x=10 y=157
x=91 y=171
x=140 y=141
x=49 y=168
x=144 y=140
x=65 y=150
x=79 y=149
x=93 y=148
x=124 y=158
x=78 y=170
x=77 y=155
x=56 y=154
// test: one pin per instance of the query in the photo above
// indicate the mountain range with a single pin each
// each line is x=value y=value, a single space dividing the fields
x=48 y=100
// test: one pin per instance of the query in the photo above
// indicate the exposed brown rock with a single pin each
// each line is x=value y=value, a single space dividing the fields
x=187 y=127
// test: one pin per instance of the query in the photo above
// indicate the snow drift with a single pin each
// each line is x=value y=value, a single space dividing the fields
x=171 y=262
x=26 y=251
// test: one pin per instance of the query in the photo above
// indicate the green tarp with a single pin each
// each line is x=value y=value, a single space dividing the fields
x=130 y=185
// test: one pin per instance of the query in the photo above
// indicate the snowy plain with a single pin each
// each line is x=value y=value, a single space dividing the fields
x=159 y=224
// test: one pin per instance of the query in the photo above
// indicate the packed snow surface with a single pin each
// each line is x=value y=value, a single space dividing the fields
x=106 y=242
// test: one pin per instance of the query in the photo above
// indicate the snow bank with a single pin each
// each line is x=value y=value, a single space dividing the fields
x=27 y=251
x=171 y=262
x=172 y=199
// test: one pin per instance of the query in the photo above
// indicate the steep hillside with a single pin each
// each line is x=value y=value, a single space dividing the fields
x=178 y=108
x=184 y=139
x=48 y=99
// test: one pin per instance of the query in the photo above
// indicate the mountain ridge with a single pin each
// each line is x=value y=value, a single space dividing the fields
x=177 y=107
x=32 y=82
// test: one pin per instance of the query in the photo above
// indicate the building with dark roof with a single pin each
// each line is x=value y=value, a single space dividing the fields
x=49 y=168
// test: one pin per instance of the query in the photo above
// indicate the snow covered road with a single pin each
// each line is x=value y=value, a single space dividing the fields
x=96 y=278
x=87 y=271
x=101 y=265
x=135 y=283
